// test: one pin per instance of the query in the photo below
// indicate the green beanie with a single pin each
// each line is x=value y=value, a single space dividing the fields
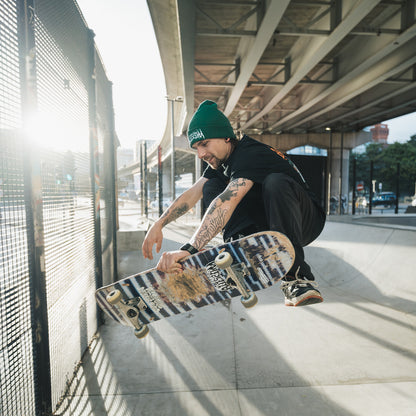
x=209 y=123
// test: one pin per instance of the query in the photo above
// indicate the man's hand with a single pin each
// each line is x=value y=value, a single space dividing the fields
x=179 y=207
x=169 y=261
x=153 y=236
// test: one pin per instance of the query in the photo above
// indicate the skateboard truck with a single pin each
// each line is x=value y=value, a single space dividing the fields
x=131 y=310
x=224 y=261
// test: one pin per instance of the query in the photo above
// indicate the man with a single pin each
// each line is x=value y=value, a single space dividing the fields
x=247 y=187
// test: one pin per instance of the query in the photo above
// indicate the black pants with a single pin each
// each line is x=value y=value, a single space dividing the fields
x=283 y=206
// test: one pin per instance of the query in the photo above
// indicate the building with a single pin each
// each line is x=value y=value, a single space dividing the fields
x=124 y=157
x=380 y=133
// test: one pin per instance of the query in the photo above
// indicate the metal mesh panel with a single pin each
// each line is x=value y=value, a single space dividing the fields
x=57 y=240
x=16 y=356
x=68 y=214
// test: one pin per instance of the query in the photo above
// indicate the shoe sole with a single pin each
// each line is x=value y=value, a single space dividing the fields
x=310 y=299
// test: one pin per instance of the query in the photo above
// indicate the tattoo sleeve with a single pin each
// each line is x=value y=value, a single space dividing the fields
x=220 y=211
x=214 y=221
x=173 y=213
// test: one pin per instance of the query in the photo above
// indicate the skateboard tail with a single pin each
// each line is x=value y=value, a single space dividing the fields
x=112 y=312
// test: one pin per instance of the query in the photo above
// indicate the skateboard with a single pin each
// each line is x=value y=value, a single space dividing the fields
x=237 y=268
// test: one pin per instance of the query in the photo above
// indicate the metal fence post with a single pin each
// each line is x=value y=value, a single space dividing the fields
x=370 y=206
x=329 y=161
x=34 y=211
x=94 y=159
x=354 y=187
x=396 y=210
x=146 y=208
x=341 y=165
x=112 y=158
x=142 y=184
x=160 y=179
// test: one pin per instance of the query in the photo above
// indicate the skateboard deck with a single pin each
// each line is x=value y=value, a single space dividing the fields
x=237 y=268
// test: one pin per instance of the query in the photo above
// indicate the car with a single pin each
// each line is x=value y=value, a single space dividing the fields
x=387 y=199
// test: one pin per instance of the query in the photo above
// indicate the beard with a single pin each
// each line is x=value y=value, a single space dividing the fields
x=214 y=162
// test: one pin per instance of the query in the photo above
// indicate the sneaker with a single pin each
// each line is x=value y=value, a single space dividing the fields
x=299 y=292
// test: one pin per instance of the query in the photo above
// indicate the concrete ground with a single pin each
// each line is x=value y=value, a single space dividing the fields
x=354 y=354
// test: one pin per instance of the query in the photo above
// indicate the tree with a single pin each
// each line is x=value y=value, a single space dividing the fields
x=372 y=152
x=385 y=161
x=405 y=155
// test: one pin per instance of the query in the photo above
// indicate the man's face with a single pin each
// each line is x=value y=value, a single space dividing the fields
x=213 y=151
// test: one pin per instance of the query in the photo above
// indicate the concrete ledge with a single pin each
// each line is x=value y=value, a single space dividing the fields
x=130 y=240
x=397 y=221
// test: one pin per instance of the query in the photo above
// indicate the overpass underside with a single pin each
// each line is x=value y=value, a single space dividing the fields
x=288 y=65
x=288 y=72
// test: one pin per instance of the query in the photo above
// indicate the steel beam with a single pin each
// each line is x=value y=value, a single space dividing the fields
x=249 y=62
x=317 y=50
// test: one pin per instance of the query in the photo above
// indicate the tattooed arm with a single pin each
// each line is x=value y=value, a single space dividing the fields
x=220 y=211
x=217 y=215
x=179 y=207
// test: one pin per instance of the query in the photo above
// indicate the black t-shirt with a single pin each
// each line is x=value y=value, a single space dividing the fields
x=254 y=160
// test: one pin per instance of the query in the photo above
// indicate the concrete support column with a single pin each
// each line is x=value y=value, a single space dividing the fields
x=339 y=181
x=336 y=172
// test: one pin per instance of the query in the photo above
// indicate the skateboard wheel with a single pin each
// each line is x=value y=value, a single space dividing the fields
x=250 y=301
x=142 y=332
x=114 y=297
x=224 y=260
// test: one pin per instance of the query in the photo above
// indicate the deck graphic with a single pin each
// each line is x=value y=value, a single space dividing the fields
x=265 y=257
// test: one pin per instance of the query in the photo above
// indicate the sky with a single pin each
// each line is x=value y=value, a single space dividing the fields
x=127 y=44
x=401 y=128
x=125 y=37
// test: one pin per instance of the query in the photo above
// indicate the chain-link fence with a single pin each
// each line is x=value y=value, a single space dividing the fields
x=57 y=199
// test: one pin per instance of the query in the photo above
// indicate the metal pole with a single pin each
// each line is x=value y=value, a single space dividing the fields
x=141 y=180
x=172 y=144
x=113 y=185
x=354 y=179
x=146 y=211
x=94 y=159
x=329 y=173
x=370 y=206
x=160 y=179
x=396 y=211
x=34 y=213
x=340 y=172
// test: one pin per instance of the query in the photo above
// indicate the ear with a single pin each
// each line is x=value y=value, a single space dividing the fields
x=227 y=140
